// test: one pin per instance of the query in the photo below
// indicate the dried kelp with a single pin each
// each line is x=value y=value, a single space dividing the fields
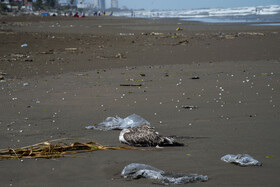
x=49 y=150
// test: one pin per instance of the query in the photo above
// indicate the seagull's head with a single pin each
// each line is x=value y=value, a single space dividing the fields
x=121 y=137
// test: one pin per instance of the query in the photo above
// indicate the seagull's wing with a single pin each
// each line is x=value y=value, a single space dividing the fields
x=142 y=136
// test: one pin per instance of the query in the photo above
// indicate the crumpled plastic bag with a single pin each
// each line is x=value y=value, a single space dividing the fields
x=136 y=171
x=241 y=159
x=117 y=123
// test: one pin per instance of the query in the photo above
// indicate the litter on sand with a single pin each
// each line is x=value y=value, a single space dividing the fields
x=70 y=49
x=136 y=171
x=195 y=77
x=241 y=160
x=136 y=85
x=49 y=150
x=117 y=123
x=190 y=107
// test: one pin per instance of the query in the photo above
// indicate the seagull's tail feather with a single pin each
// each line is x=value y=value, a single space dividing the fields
x=171 y=142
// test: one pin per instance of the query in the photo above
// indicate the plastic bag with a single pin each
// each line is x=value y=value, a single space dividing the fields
x=112 y=123
x=136 y=171
x=241 y=159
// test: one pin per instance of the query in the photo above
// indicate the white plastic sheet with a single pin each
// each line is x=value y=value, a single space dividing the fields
x=117 y=123
x=136 y=171
x=241 y=159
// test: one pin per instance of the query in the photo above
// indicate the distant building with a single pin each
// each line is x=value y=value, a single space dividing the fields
x=67 y=2
x=28 y=4
x=83 y=4
x=114 y=4
x=102 y=4
x=5 y=1
x=64 y=2
x=95 y=4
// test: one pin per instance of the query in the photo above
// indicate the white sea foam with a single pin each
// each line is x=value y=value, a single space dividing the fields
x=206 y=13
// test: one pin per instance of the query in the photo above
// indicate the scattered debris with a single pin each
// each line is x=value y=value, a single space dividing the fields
x=251 y=33
x=51 y=51
x=136 y=171
x=182 y=42
x=18 y=56
x=48 y=150
x=266 y=74
x=269 y=156
x=137 y=85
x=70 y=49
x=195 y=77
x=152 y=33
x=156 y=33
x=2 y=78
x=230 y=36
x=117 y=123
x=119 y=56
x=190 y=107
x=126 y=34
x=179 y=29
x=241 y=160
x=24 y=45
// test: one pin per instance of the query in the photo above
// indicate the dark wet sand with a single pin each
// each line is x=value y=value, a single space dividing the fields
x=237 y=97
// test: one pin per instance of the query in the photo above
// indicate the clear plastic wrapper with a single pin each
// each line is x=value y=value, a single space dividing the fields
x=241 y=159
x=117 y=123
x=136 y=171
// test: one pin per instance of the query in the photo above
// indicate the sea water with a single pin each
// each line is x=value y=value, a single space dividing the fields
x=266 y=14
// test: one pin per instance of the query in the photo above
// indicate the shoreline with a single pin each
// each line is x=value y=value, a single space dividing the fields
x=116 y=42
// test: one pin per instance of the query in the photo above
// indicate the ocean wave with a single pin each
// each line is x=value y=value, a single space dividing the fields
x=211 y=12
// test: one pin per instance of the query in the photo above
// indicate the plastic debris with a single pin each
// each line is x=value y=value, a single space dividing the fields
x=137 y=85
x=265 y=74
x=179 y=29
x=117 y=123
x=136 y=171
x=127 y=34
x=195 y=77
x=70 y=49
x=24 y=45
x=156 y=33
x=1 y=77
x=190 y=107
x=269 y=156
x=120 y=55
x=241 y=160
x=182 y=42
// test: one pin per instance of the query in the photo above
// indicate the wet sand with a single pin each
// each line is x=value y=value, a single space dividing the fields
x=69 y=77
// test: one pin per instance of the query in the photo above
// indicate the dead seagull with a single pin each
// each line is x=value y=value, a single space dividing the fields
x=145 y=136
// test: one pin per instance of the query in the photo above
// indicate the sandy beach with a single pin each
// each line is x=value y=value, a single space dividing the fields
x=69 y=75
